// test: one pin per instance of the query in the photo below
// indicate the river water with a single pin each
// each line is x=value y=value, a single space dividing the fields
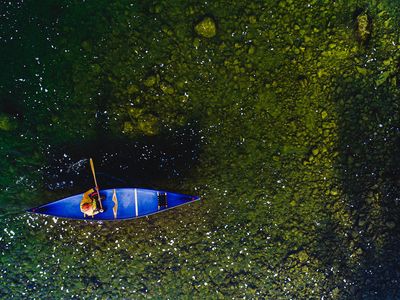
x=282 y=115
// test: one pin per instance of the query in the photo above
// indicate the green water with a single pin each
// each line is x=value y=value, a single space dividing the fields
x=282 y=115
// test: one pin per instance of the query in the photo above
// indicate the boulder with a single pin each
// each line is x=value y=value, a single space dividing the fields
x=6 y=123
x=206 y=28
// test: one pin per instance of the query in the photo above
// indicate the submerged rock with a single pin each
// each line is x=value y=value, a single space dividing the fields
x=140 y=122
x=166 y=88
x=6 y=123
x=390 y=224
x=363 y=27
x=150 y=81
x=206 y=28
x=132 y=89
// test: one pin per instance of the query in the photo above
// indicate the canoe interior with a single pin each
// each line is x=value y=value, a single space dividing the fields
x=132 y=203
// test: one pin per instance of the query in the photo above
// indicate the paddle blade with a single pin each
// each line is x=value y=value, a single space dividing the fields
x=115 y=200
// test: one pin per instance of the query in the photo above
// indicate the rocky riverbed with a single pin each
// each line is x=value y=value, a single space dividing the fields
x=282 y=115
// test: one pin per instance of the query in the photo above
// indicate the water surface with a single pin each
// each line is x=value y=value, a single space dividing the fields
x=282 y=115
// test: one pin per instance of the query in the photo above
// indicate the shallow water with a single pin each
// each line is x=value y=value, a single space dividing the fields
x=282 y=115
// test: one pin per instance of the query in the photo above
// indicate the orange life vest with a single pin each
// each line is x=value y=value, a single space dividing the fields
x=89 y=203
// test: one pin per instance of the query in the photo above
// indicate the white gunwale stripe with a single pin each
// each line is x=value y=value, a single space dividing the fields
x=136 y=203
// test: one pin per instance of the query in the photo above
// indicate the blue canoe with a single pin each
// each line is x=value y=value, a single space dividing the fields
x=118 y=204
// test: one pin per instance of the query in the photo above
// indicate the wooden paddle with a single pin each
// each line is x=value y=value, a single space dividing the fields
x=95 y=182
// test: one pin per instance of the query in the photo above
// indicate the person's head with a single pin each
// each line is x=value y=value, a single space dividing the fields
x=86 y=207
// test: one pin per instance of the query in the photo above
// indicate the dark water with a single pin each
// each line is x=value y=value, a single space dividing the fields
x=282 y=115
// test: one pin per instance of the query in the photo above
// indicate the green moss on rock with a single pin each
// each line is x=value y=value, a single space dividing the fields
x=132 y=89
x=363 y=27
x=206 y=28
x=6 y=123
x=150 y=81
x=140 y=122
x=166 y=88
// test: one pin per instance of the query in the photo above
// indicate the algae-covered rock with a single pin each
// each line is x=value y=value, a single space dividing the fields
x=303 y=256
x=253 y=19
x=196 y=43
x=140 y=123
x=315 y=151
x=166 y=88
x=390 y=224
x=251 y=50
x=128 y=127
x=6 y=123
x=362 y=71
x=363 y=27
x=132 y=89
x=86 y=46
x=206 y=28
x=150 y=81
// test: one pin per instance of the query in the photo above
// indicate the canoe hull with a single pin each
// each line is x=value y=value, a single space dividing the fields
x=131 y=203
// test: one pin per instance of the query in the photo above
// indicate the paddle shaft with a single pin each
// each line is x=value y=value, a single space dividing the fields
x=95 y=182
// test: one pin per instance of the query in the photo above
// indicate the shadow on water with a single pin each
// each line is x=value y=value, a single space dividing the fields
x=163 y=161
x=368 y=166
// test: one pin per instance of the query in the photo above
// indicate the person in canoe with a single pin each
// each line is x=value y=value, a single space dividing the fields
x=91 y=201
x=90 y=204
